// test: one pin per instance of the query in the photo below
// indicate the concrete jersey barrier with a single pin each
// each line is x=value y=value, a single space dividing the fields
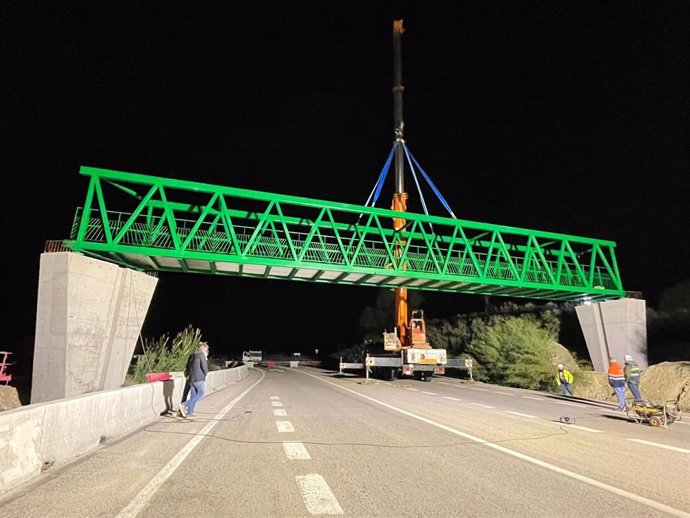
x=38 y=436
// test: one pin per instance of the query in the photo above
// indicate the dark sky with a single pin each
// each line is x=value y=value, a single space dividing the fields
x=570 y=117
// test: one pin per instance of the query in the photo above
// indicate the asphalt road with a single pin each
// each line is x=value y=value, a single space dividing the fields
x=305 y=442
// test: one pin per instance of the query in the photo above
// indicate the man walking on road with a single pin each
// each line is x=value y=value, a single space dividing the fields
x=565 y=378
x=617 y=381
x=632 y=377
x=198 y=369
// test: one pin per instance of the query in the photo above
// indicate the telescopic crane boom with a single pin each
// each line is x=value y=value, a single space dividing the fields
x=400 y=196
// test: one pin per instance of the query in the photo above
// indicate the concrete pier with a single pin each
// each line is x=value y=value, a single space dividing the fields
x=88 y=319
x=615 y=328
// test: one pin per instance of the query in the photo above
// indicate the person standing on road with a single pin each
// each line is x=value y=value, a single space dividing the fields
x=198 y=369
x=632 y=376
x=565 y=378
x=617 y=381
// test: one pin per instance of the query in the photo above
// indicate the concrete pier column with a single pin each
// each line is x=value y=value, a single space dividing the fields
x=88 y=319
x=614 y=328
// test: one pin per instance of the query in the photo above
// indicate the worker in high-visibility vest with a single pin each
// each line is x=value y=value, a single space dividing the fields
x=565 y=379
x=632 y=376
x=617 y=381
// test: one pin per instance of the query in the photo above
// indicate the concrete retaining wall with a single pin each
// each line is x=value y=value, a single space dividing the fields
x=57 y=432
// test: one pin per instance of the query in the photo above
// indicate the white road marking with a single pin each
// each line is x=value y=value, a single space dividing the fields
x=521 y=415
x=475 y=388
x=275 y=398
x=296 y=451
x=317 y=496
x=561 y=471
x=583 y=428
x=430 y=393
x=279 y=412
x=483 y=406
x=452 y=398
x=284 y=426
x=138 y=502
x=276 y=403
x=412 y=389
x=658 y=445
x=504 y=393
x=535 y=398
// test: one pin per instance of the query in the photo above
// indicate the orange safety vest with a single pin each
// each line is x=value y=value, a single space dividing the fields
x=616 y=370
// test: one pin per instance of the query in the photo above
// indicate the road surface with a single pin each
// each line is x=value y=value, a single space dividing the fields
x=308 y=442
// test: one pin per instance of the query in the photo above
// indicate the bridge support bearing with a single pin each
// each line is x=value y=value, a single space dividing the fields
x=614 y=328
x=88 y=319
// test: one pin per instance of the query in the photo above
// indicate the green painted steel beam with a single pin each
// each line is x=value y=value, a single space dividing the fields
x=152 y=223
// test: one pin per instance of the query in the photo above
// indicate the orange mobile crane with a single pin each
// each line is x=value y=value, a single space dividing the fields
x=416 y=357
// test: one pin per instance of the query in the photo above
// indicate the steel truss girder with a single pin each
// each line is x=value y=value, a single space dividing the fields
x=153 y=223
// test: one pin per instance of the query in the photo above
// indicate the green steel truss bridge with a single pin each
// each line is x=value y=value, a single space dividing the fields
x=159 y=224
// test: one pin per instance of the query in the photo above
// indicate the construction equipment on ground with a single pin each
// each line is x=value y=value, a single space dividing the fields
x=642 y=411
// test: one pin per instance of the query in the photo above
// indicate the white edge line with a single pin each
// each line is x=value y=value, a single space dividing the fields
x=581 y=478
x=138 y=502
x=659 y=445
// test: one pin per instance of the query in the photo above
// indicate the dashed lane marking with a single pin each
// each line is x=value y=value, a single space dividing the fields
x=279 y=412
x=475 y=388
x=430 y=393
x=137 y=504
x=284 y=426
x=276 y=403
x=317 y=496
x=521 y=415
x=296 y=451
x=658 y=445
x=412 y=389
x=583 y=428
x=275 y=398
x=556 y=469
x=483 y=406
x=452 y=398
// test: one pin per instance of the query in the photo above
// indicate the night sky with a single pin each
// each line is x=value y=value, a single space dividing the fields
x=572 y=117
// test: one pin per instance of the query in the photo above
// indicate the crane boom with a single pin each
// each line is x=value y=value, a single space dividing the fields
x=400 y=196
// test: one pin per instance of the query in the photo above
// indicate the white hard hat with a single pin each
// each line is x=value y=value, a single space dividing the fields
x=628 y=358
x=560 y=366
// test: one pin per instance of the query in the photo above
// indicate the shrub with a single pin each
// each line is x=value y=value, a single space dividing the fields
x=513 y=351
x=159 y=356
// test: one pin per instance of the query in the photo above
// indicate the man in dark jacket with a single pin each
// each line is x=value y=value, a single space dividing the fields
x=632 y=376
x=197 y=368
